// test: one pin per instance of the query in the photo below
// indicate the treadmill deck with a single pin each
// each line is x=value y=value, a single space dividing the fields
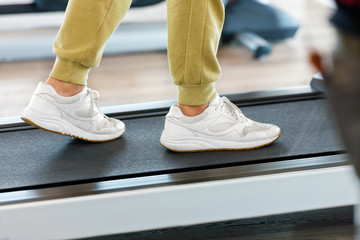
x=34 y=158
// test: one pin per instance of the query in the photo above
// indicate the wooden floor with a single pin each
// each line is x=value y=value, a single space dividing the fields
x=145 y=77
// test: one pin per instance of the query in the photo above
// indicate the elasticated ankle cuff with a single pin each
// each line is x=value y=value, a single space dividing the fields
x=196 y=94
x=71 y=72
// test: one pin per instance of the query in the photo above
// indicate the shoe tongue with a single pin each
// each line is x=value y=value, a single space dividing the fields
x=216 y=101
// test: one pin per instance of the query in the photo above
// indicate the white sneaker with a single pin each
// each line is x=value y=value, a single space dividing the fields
x=78 y=116
x=222 y=126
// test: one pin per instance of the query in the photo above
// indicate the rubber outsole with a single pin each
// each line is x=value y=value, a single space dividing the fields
x=69 y=135
x=223 y=149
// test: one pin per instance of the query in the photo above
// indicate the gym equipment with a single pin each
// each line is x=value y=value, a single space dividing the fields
x=317 y=83
x=134 y=184
x=48 y=6
x=255 y=25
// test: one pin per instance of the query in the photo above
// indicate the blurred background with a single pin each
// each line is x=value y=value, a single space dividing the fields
x=135 y=68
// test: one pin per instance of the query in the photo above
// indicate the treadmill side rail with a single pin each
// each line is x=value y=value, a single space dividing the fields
x=180 y=205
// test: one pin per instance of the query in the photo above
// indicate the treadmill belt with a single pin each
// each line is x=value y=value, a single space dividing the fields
x=36 y=157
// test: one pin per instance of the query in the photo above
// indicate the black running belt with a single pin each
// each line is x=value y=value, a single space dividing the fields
x=35 y=158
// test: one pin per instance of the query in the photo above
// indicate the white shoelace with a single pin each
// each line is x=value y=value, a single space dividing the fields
x=233 y=110
x=94 y=97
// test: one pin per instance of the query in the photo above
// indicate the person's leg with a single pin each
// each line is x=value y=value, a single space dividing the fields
x=202 y=120
x=194 y=30
x=64 y=104
x=81 y=39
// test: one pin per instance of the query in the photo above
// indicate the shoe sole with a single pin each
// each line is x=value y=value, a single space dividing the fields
x=69 y=135
x=222 y=149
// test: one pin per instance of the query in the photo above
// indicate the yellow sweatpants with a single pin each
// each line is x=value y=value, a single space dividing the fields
x=194 y=29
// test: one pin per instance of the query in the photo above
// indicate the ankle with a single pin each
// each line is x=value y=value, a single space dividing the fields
x=64 y=89
x=191 y=111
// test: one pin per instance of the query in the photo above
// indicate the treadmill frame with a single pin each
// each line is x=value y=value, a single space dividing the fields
x=178 y=199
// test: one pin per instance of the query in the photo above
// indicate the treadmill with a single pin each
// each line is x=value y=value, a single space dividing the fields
x=57 y=187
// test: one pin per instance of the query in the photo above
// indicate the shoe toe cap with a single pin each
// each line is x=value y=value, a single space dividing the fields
x=274 y=131
x=117 y=124
x=262 y=131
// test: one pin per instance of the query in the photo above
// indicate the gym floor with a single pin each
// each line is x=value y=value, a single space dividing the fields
x=144 y=76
